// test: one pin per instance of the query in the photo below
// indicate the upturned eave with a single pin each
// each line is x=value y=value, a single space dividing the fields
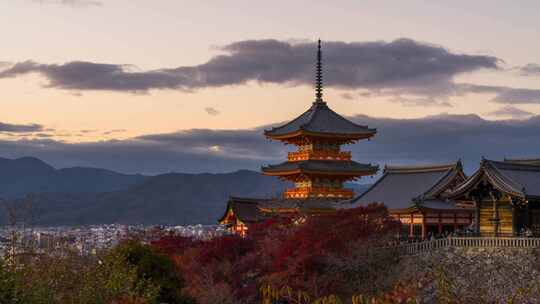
x=315 y=172
x=305 y=133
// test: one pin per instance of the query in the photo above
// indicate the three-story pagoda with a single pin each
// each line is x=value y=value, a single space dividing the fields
x=319 y=168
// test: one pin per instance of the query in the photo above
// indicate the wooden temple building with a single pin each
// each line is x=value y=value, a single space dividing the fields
x=318 y=168
x=505 y=197
x=417 y=196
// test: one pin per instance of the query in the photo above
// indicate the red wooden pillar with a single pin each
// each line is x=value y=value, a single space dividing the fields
x=439 y=225
x=424 y=228
x=455 y=221
x=411 y=230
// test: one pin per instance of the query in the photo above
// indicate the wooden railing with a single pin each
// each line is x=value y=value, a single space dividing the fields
x=305 y=192
x=479 y=242
x=319 y=155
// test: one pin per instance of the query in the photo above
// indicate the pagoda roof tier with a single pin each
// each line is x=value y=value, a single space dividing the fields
x=321 y=121
x=323 y=167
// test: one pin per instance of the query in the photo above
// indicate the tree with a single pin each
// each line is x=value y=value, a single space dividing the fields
x=154 y=268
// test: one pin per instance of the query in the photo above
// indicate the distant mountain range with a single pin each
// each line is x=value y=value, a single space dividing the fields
x=78 y=196
x=22 y=176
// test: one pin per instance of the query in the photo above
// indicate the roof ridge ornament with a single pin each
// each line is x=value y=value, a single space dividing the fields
x=319 y=77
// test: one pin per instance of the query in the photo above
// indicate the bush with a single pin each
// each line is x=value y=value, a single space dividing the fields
x=69 y=278
x=129 y=273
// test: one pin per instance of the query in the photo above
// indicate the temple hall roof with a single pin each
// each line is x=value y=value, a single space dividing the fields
x=245 y=209
x=321 y=120
x=321 y=166
x=400 y=186
x=252 y=210
x=513 y=178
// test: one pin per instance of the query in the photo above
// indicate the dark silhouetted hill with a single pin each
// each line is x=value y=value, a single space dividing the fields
x=174 y=198
x=19 y=177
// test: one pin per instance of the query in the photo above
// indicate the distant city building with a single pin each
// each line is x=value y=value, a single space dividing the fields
x=92 y=239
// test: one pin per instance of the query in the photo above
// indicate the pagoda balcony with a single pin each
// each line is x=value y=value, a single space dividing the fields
x=319 y=155
x=319 y=192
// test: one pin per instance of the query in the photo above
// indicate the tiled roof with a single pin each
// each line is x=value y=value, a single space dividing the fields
x=321 y=119
x=250 y=210
x=513 y=178
x=399 y=186
x=245 y=209
x=327 y=166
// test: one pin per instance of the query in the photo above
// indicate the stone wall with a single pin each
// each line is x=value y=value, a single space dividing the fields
x=476 y=275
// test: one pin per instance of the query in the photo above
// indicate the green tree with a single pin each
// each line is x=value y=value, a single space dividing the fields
x=156 y=269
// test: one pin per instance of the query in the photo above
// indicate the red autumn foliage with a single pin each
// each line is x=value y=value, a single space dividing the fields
x=297 y=257
x=226 y=248
x=211 y=269
x=278 y=252
x=174 y=244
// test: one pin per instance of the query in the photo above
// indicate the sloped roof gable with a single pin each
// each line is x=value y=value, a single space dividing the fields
x=399 y=186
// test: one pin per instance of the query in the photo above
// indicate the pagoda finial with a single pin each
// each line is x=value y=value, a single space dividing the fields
x=318 y=78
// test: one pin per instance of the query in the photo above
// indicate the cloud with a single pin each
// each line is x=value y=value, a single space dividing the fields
x=237 y=144
x=43 y=135
x=4 y=65
x=73 y=3
x=512 y=112
x=531 y=69
x=212 y=111
x=401 y=65
x=347 y=96
x=502 y=94
x=114 y=131
x=434 y=139
x=17 y=128
x=86 y=131
x=444 y=138
x=429 y=101
x=517 y=96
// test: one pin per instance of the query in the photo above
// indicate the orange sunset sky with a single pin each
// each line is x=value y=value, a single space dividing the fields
x=162 y=67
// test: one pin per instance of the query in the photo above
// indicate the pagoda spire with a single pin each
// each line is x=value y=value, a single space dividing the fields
x=318 y=77
x=319 y=168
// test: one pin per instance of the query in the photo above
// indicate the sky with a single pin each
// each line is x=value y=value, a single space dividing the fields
x=151 y=87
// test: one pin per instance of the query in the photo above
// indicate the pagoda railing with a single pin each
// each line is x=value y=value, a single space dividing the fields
x=319 y=155
x=322 y=192
x=478 y=242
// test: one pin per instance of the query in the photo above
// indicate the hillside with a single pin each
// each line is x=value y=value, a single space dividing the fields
x=78 y=196
x=19 y=177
